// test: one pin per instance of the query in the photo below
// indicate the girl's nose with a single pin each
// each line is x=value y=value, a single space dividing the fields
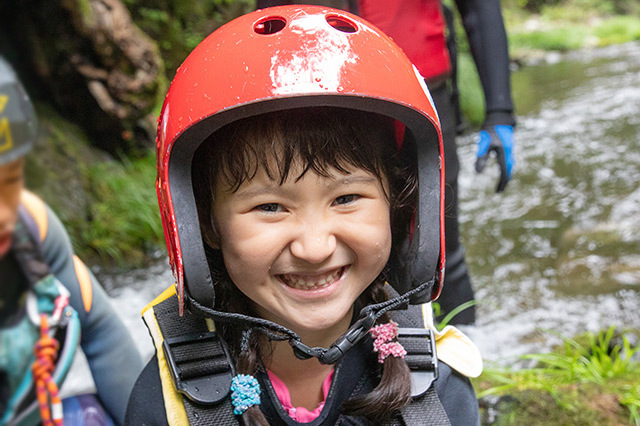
x=314 y=244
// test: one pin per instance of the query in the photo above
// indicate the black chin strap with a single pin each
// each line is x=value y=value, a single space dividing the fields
x=368 y=316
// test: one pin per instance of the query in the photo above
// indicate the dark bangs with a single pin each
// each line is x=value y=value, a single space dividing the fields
x=317 y=139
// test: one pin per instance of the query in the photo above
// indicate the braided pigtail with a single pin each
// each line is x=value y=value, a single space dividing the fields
x=394 y=390
x=248 y=363
x=245 y=347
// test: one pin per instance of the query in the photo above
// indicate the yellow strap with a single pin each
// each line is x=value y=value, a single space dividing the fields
x=82 y=273
x=454 y=347
x=36 y=209
x=167 y=293
x=458 y=351
x=174 y=407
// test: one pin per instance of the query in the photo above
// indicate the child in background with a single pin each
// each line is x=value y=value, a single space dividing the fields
x=50 y=302
x=300 y=184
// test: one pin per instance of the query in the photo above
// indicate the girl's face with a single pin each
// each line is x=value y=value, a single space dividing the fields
x=304 y=250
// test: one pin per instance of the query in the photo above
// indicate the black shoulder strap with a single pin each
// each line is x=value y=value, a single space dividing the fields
x=199 y=363
x=426 y=409
x=422 y=360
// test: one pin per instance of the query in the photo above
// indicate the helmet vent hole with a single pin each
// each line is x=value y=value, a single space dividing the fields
x=270 y=25
x=341 y=23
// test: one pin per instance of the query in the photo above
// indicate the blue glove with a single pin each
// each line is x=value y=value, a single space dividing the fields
x=499 y=139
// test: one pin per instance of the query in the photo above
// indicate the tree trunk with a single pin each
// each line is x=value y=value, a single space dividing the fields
x=90 y=59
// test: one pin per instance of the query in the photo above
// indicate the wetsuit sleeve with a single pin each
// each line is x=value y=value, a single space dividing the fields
x=113 y=357
x=146 y=405
x=483 y=23
x=457 y=397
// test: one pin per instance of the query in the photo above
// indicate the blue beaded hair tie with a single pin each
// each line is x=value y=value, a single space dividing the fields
x=245 y=392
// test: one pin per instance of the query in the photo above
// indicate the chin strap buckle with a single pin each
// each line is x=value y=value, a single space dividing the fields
x=331 y=355
x=420 y=344
x=200 y=366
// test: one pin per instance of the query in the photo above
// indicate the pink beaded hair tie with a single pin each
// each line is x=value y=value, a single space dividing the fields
x=384 y=344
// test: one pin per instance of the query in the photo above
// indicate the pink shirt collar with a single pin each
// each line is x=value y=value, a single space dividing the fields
x=299 y=414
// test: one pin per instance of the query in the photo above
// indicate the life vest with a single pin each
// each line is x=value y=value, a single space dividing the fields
x=45 y=295
x=196 y=371
x=418 y=27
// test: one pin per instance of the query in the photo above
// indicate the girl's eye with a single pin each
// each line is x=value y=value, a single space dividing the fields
x=269 y=208
x=346 y=199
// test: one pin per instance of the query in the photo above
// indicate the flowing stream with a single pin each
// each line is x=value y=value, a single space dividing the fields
x=560 y=249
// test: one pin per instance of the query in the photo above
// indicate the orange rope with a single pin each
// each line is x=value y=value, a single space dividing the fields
x=46 y=350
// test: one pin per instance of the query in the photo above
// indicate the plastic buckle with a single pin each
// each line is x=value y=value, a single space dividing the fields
x=207 y=389
x=421 y=377
x=344 y=343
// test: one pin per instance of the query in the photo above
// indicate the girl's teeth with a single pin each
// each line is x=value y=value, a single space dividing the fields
x=297 y=281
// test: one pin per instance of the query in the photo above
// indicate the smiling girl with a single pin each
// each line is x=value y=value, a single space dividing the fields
x=301 y=194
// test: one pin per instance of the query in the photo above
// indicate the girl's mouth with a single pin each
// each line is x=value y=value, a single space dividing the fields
x=312 y=281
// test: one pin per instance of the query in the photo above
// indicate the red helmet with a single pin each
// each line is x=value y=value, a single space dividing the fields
x=282 y=58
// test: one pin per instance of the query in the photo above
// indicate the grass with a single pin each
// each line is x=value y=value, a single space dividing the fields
x=447 y=318
x=589 y=380
x=565 y=36
x=595 y=362
x=559 y=39
x=125 y=224
x=108 y=207
x=619 y=29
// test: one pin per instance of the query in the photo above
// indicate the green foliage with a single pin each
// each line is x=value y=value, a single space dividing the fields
x=631 y=399
x=471 y=94
x=125 y=224
x=560 y=27
x=596 y=362
x=618 y=30
x=447 y=318
x=571 y=24
x=599 y=6
x=575 y=374
x=179 y=25
x=562 y=39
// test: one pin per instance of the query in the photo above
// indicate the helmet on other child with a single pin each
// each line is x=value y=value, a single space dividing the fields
x=18 y=123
